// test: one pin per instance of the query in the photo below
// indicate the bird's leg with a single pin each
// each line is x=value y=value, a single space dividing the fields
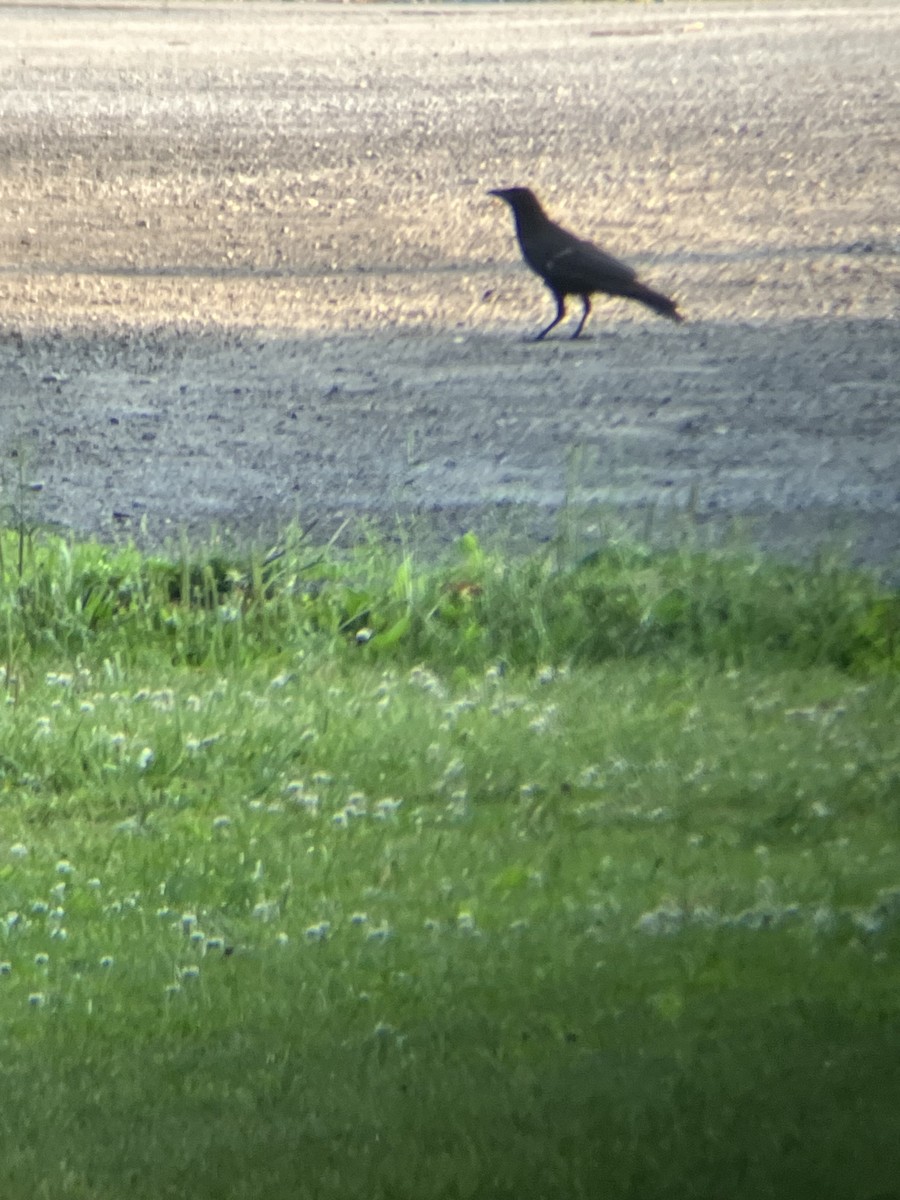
x=560 y=313
x=586 y=301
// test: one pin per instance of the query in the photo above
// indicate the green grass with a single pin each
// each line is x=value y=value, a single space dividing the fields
x=344 y=875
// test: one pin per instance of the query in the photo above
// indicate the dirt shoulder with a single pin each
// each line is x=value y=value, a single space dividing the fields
x=248 y=270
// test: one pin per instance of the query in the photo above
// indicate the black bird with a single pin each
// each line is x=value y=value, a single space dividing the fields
x=572 y=267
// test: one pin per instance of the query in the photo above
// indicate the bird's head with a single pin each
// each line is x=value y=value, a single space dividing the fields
x=521 y=200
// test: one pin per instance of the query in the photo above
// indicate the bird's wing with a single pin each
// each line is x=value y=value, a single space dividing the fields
x=583 y=267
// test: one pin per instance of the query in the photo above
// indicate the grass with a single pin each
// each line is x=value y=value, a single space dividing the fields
x=342 y=875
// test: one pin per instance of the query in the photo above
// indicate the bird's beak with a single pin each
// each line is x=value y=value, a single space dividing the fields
x=495 y=192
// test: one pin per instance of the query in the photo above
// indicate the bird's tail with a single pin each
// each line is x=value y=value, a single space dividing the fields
x=655 y=300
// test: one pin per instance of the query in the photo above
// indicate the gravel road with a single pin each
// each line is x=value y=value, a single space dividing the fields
x=249 y=272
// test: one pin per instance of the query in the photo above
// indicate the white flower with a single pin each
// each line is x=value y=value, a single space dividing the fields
x=189 y=973
x=41 y=959
x=37 y=999
x=221 y=822
x=107 y=961
x=359 y=918
x=214 y=943
x=281 y=938
x=465 y=922
x=145 y=758
x=18 y=850
x=188 y=920
x=266 y=910
x=319 y=932
x=5 y=968
x=64 y=867
x=387 y=807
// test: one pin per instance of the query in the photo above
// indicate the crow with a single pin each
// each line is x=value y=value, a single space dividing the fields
x=572 y=267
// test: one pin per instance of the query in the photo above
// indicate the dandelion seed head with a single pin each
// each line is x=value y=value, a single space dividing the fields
x=41 y=959
x=64 y=867
x=18 y=850
x=359 y=918
x=318 y=932
x=340 y=820
x=5 y=968
x=39 y=908
x=107 y=961
x=221 y=822
x=37 y=999
x=189 y=973
x=145 y=759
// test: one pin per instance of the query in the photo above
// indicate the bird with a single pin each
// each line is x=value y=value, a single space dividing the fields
x=572 y=267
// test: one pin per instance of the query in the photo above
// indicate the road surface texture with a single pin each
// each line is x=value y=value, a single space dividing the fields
x=249 y=271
